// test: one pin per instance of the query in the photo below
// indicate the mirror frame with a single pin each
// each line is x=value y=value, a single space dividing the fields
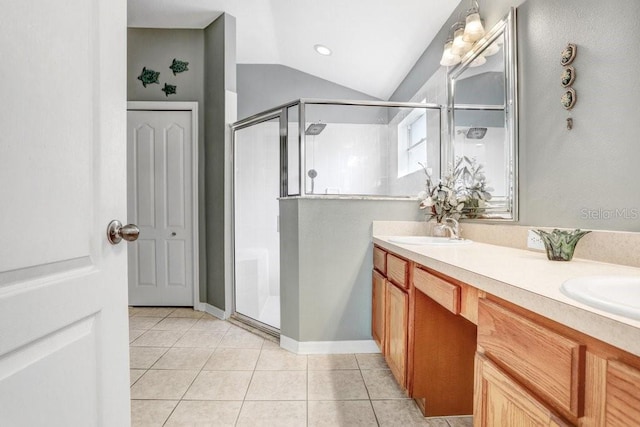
x=504 y=208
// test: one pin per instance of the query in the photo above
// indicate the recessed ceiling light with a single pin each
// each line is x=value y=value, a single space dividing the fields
x=322 y=49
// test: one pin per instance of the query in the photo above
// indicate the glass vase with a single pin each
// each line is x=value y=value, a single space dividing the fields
x=559 y=244
x=439 y=229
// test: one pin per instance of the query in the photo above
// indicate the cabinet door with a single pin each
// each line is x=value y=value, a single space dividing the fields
x=397 y=317
x=500 y=401
x=378 y=314
x=612 y=393
x=623 y=394
x=546 y=362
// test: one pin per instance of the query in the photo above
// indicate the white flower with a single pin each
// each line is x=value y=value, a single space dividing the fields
x=426 y=203
x=422 y=195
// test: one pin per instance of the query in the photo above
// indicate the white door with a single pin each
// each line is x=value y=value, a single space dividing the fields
x=160 y=203
x=63 y=292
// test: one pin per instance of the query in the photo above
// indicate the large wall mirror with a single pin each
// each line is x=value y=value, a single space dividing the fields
x=483 y=122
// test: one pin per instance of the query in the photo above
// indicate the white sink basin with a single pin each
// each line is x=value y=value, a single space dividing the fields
x=615 y=294
x=428 y=240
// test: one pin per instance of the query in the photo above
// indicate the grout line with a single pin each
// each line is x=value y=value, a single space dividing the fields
x=194 y=378
x=244 y=399
x=368 y=394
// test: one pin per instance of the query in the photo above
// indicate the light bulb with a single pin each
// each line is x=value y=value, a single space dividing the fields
x=448 y=58
x=322 y=49
x=460 y=47
x=473 y=29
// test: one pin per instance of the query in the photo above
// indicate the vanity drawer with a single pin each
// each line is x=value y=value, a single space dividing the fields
x=380 y=260
x=444 y=293
x=397 y=271
x=546 y=362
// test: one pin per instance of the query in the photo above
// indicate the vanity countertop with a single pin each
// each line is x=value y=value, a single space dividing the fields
x=528 y=279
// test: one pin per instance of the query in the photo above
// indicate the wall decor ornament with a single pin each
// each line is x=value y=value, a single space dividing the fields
x=568 y=99
x=148 y=76
x=178 y=66
x=169 y=89
x=568 y=76
x=568 y=54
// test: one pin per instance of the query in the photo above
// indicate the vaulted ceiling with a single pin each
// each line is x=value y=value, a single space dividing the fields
x=375 y=43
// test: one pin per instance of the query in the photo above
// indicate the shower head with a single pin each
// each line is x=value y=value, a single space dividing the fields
x=476 y=133
x=315 y=129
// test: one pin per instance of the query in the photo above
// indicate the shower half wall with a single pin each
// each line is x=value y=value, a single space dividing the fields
x=337 y=154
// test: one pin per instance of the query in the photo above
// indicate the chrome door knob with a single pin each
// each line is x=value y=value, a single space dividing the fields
x=116 y=232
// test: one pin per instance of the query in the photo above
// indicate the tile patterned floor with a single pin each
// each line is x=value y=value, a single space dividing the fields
x=190 y=369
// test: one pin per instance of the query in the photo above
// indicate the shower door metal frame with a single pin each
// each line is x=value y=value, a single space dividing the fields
x=282 y=113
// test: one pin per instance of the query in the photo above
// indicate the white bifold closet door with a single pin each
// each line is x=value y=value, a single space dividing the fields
x=160 y=203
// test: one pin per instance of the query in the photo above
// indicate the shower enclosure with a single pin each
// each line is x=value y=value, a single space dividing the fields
x=321 y=149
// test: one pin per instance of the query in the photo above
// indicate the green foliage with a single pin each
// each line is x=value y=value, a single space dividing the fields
x=461 y=193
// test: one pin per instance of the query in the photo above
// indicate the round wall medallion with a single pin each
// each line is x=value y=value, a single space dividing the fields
x=568 y=76
x=568 y=99
x=568 y=54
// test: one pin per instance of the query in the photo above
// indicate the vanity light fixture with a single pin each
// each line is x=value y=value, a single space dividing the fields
x=460 y=46
x=473 y=29
x=449 y=58
x=465 y=34
x=322 y=49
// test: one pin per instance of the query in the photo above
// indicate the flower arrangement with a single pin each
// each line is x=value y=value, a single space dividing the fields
x=442 y=200
x=472 y=183
x=461 y=193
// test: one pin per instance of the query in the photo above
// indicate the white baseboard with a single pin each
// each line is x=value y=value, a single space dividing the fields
x=214 y=311
x=328 y=347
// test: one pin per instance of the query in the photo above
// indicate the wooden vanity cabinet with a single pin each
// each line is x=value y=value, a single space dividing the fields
x=378 y=299
x=396 y=325
x=560 y=376
x=612 y=392
x=420 y=322
x=390 y=311
x=442 y=346
x=501 y=401
x=458 y=350
x=547 y=362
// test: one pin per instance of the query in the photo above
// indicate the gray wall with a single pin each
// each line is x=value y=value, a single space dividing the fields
x=220 y=67
x=326 y=265
x=155 y=49
x=211 y=56
x=586 y=177
x=594 y=166
x=264 y=86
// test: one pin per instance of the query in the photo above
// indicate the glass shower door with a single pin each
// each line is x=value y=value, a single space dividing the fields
x=256 y=235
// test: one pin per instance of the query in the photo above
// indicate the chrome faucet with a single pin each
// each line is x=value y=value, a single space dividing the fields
x=453 y=230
